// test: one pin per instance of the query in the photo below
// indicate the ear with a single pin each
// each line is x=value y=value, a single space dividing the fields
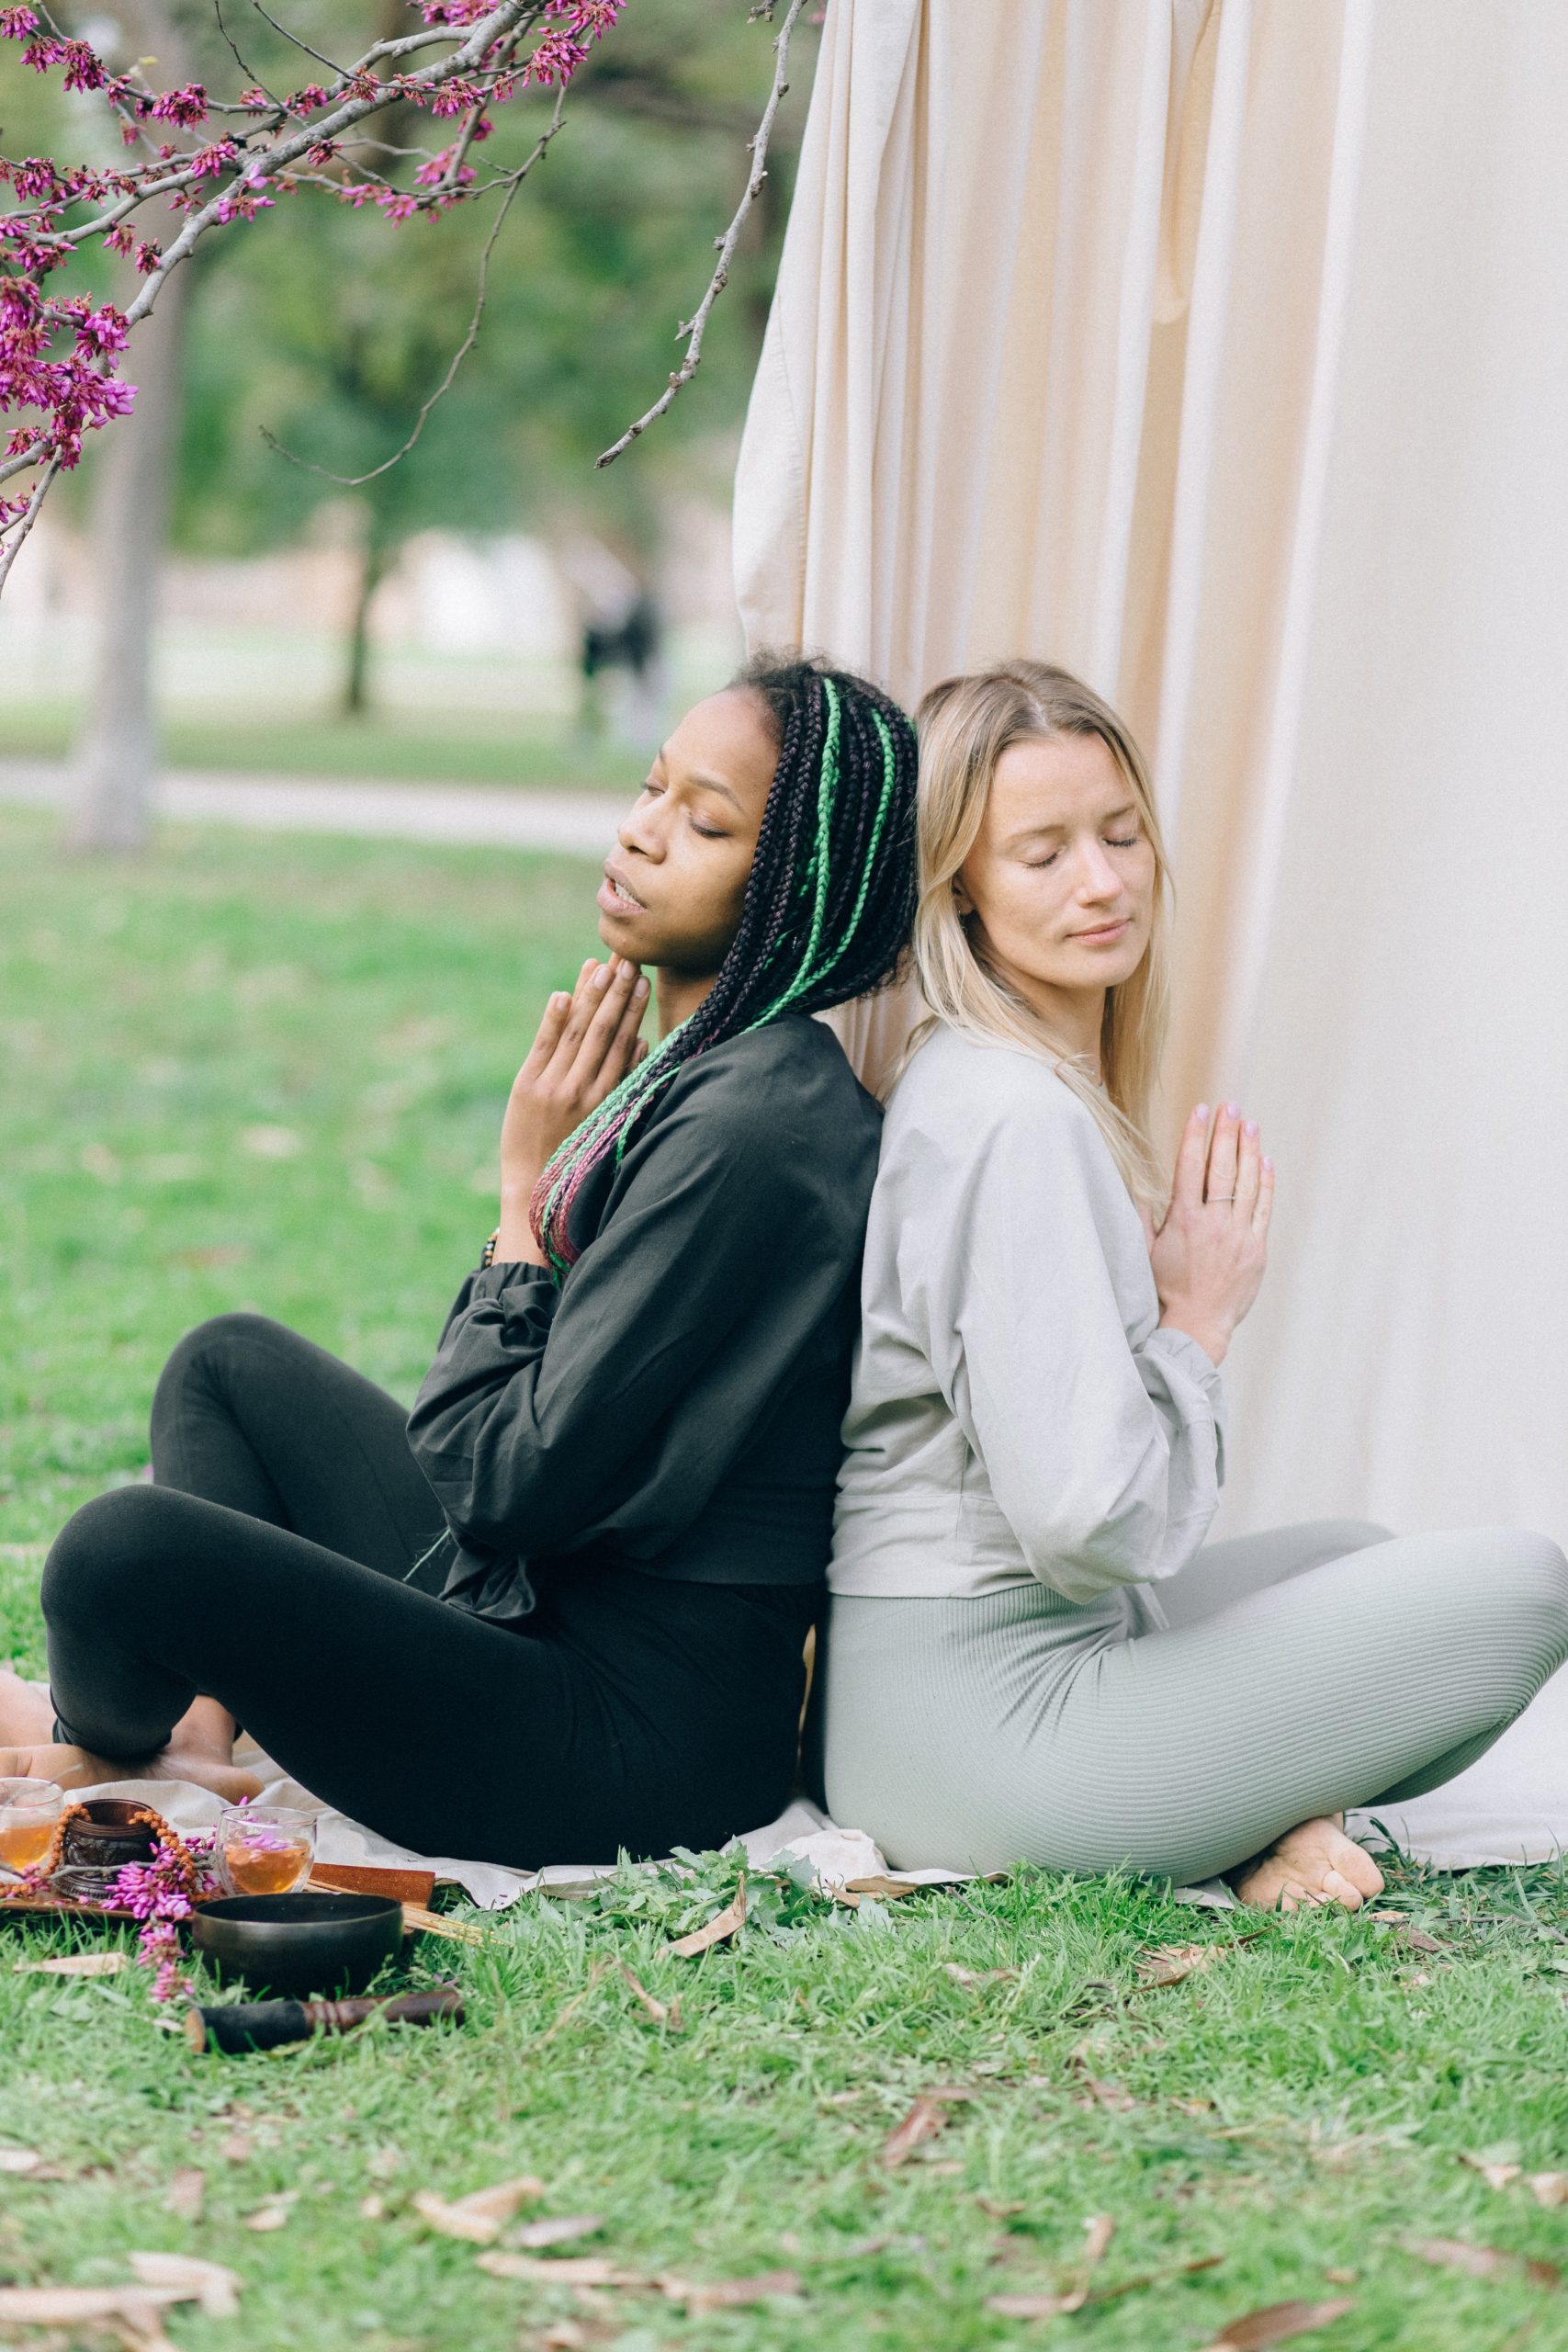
x=962 y=900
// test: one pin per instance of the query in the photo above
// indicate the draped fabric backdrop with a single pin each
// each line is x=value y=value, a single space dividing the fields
x=1219 y=350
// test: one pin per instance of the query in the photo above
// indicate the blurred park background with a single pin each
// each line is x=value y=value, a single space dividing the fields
x=429 y=625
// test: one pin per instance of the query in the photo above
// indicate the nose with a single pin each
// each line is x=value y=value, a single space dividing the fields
x=1098 y=878
x=638 y=829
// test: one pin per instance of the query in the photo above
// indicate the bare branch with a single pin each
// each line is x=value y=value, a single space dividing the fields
x=514 y=181
x=299 y=44
x=694 y=331
x=15 y=533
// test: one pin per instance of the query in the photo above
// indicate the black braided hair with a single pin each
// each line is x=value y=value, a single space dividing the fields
x=829 y=904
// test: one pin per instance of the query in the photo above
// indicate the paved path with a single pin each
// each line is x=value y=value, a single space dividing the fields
x=579 y=822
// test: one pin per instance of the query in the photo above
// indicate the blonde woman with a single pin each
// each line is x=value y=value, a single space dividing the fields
x=1034 y=1657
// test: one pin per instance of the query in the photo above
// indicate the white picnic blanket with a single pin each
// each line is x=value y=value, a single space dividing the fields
x=1511 y=1806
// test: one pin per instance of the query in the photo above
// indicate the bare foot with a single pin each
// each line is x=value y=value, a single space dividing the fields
x=1314 y=1863
x=76 y=1767
x=25 y=1713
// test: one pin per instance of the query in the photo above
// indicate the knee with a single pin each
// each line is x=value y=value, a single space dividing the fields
x=1532 y=1572
x=1356 y=1534
x=101 y=1554
x=209 y=1354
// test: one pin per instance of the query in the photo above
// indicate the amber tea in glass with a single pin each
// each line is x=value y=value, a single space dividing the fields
x=28 y=1812
x=264 y=1849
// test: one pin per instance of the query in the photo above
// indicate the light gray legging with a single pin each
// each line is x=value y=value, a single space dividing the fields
x=1304 y=1671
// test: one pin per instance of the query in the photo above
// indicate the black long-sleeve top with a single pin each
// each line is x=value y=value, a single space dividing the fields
x=674 y=1404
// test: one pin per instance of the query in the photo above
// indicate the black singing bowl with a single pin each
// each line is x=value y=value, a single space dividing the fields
x=298 y=1944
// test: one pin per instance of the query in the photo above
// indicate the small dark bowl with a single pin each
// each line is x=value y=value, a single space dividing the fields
x=298 y=1944
x=104 y=1836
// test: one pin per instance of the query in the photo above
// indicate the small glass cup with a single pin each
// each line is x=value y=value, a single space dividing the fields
x=30 y=1811
x=264 y=1848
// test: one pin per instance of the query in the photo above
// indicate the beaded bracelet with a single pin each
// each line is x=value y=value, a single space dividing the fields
x=488 y=1255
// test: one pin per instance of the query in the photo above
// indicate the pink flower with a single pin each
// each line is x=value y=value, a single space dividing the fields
x=18 y=24
x=83 y=70
x=187 y=106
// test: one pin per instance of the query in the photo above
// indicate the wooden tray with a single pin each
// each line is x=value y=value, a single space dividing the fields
x=337 y=1878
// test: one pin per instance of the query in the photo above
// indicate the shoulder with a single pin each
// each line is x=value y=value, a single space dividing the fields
x=784 y=1086
x=967 y=1096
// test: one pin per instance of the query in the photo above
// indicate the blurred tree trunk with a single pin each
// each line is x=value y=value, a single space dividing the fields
x=116 y=753
x=372 y=571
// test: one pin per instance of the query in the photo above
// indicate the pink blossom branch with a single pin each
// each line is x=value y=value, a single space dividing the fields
x=513 y=181
x=695 y=329
x=59 y=356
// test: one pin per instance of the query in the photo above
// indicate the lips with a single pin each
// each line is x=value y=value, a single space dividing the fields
x=614 y=896
x=1105 y=936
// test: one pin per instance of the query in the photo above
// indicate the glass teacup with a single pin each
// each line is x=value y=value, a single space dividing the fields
x=264 y=1848
x=30 y=1811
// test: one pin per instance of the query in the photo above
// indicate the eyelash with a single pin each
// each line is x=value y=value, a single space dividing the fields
x=708 y=832
x=1038 y=864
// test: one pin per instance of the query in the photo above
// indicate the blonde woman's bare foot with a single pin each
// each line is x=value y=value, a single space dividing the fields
x=26 y=1714
x=1314 y=1863
x=77 y=1767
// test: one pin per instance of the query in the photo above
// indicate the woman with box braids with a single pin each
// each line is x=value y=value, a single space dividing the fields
x=574 y=1586
x=828 y=907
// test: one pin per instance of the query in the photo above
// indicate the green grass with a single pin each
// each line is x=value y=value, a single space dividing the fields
x=389 y=746
x=1300 y=2107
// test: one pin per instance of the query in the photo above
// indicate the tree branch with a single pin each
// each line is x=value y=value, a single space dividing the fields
x=694 y=331
x=514 y=182
x=15 y=532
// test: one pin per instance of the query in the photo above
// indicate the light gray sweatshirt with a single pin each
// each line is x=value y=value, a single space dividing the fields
x=1015 y=1411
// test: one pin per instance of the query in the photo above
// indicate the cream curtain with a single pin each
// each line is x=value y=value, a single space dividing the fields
x=1219 y=349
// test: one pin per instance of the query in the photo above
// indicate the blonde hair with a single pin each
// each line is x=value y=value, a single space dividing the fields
x=965 y=724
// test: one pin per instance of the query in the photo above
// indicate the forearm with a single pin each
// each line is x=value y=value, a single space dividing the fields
x=1212 y=1334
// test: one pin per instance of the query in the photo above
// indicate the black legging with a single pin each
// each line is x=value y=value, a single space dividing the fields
x=265 y=1568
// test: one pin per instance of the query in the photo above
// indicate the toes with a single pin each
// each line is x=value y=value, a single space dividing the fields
x=1358 y=1867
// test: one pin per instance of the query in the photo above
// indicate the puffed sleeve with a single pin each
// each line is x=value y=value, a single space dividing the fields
x=1100 y=1434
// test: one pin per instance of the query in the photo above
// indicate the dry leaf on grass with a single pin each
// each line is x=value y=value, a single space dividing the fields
x=565 y=2271
x=662 y=2012
x=1099 y=2233
x=215 y=2289
x=75 y=1963
x=1111 y=2095
x=885 y=1890
x=237 y=2148
x=727 y=1923
x=1482 y=2261
x=1276 y=2322
x=1549 y=2188
x=558 y=2228
x=923 y=2121
x=138 y=2310
x=1416 y=1937
x=479 y=2216
x=1495 y=2176
x=372 y=2207
x=273 y=2212
x=1156 y=2278
x=187 y=2191
x=970 y=1978
x=730 y=2294
x=1173 y=1964
x=19 y=2160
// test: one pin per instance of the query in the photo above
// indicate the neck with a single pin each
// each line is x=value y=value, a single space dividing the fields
x=1074 y=1017
x=678 y=994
